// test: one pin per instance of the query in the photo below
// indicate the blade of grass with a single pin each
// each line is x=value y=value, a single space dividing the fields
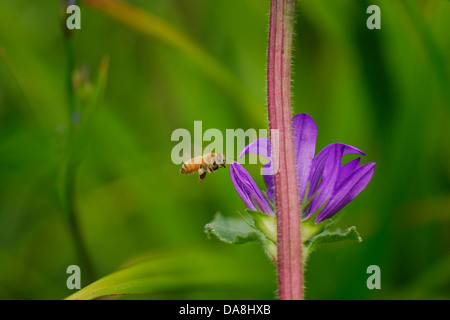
x=171 y=273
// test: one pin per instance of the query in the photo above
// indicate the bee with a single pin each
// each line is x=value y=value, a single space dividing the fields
x=203 y=164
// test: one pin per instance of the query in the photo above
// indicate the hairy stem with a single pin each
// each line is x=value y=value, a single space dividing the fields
x=289 y=257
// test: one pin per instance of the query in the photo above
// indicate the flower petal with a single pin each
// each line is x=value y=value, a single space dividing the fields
x=305 y=135
x=260 y=146
x=319 y=163
x=325 y=172
x=347 y=170
x=241 y=188
x=248 y=190
x=270 y=183
x=348 y=190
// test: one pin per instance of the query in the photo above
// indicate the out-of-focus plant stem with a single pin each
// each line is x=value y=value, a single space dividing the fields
x=289 y=255
x=71 y=169
x=71 y=164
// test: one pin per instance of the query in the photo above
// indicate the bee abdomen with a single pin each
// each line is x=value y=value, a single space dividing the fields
x=185 y=169
x=189 y=168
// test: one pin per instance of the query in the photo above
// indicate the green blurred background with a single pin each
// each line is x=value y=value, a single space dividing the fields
x=176 y=61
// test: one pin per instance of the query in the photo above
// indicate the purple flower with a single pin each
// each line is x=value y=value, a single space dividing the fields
x=325 y=186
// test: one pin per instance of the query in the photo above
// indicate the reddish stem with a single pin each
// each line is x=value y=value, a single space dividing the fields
x=289 y=256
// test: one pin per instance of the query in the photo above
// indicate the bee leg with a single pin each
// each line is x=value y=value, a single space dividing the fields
x=201 y=173
x=202 y=176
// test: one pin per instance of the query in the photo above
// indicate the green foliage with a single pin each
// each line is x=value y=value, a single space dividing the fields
x=383 y=91
x=169 y=276
x=328 y=236
x=256 y=227
x=263 y=229
x=233 y=230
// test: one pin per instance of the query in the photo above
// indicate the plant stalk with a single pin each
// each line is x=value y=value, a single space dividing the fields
x=289 y=255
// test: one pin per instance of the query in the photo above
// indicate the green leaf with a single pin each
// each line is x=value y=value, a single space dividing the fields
x=233 y=230
x=327 y=236
x=172 y=274
x=239 y=230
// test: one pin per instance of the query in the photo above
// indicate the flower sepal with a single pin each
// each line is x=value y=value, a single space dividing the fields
x=313 y=235
x=265 y=223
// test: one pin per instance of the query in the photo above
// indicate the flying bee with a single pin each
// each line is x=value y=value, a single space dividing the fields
x=203 y=164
